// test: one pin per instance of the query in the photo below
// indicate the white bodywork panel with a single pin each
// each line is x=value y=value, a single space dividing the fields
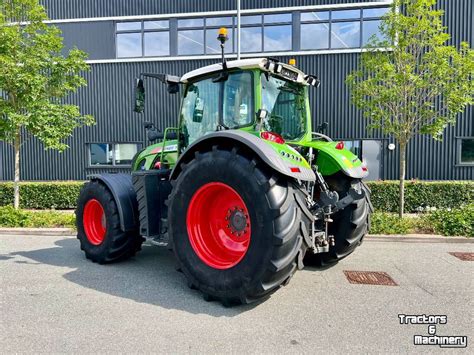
x=252 y=63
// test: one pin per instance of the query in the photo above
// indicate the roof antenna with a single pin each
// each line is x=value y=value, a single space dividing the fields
x=222 y=37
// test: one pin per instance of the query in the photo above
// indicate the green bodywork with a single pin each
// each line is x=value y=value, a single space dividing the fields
x=328 y=159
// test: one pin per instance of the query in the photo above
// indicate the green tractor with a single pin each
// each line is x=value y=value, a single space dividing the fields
x=242 y=190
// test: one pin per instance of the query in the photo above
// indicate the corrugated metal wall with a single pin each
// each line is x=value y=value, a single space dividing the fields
x=110 y=92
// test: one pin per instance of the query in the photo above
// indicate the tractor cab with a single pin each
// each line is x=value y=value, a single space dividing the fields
x=257 y=95
x=261 y=95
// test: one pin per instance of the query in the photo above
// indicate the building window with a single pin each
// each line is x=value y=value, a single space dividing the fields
x=340 y=29
x=199 y=36
x=112 y=154
x=212 y=27
x=315 y=36
x=251 y=39
x=129 y=45
x=143 y=39
x=267 y=33
x=318 y=30
x=466 y=151
x=345 y=35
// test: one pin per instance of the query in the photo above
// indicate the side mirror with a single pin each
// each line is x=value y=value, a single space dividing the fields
x=173 y=88
x=322 y=127
x=139 y=96
x=153 y=135
x=148 y=125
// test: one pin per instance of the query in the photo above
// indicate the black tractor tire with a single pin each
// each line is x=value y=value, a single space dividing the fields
x=114 y=244
x=277 y=215
x=349 y=225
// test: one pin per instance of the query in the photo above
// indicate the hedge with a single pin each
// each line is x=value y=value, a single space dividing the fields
x=11 y=218
x=60 y=195
x=418 y=194
x=448 y=222
x=421 y=194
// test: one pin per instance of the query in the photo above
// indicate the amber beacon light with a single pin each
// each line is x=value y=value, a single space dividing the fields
x=222 y=37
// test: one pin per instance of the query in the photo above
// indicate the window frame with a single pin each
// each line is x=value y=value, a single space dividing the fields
x=216 y=28
x=113 y=165
x=142 y=32
x=262 y=25
x=330 y=21
x=205 y=28
x=459 y=151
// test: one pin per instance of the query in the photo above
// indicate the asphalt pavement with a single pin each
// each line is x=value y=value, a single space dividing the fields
x=54 y=300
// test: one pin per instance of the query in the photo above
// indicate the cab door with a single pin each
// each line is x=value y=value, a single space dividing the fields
x=210 y=104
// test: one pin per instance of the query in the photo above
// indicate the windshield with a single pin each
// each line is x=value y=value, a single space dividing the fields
x=285 y=103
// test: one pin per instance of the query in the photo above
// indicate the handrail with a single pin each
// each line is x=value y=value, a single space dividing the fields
x=320 y=135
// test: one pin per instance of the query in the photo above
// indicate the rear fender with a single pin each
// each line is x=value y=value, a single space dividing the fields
x=280 y=157
x=121 y=187
x=331 y=160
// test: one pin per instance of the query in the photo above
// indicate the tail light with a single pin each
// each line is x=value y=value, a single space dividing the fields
x=272 y=137
x=340 y=145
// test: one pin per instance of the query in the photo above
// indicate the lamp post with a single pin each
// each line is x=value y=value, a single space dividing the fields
x=238 y=29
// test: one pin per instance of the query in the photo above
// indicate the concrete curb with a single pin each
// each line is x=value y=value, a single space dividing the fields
x=416 y=238
x=409 y=238
x=65 y=232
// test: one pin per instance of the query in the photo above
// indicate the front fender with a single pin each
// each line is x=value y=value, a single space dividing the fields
x=121 y=187
x=331 y=160
x=279 y=157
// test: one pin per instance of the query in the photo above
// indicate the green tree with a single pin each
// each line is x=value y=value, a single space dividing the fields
x=418 y=84
x=35 y=78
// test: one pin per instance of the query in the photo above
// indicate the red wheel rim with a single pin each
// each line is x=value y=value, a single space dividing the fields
x=218 y=225
x=94 y=222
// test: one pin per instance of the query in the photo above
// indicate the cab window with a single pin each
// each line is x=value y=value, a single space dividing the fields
x=238 y=100
x=201 y=111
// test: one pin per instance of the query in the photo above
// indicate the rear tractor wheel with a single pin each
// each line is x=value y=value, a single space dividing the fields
x=236 y=226
x=98 y=226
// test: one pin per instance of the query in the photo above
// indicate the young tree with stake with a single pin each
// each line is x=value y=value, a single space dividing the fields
x=417 y=83
x=34 y=80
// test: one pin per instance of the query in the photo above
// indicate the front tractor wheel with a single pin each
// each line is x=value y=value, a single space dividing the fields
x=98 y=226
x=236 y=227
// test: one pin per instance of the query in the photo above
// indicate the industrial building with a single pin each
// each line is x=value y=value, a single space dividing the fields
x=326 y=37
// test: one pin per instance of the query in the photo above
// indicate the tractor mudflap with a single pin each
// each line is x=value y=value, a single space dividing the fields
x=152 y=188
x=120 y=185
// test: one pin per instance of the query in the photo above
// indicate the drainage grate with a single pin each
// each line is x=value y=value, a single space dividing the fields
x=463 y=256
x=369 y=278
